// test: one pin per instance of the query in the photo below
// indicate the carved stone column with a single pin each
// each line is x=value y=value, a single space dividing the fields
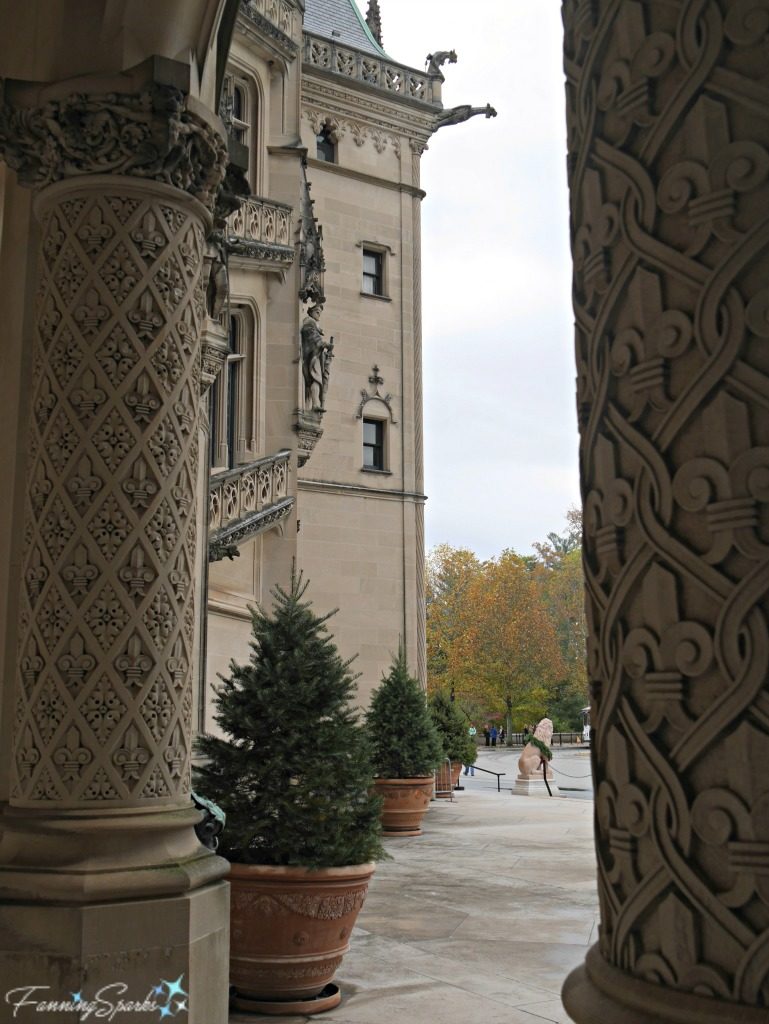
x=668 y=113
x=102 y=875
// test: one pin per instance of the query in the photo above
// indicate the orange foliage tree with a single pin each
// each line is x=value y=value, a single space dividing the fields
x=449 y=573
x=506 y=649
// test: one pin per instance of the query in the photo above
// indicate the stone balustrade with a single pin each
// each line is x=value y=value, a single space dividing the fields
x=261 y=229
x=369 y=69
x=247 y=500
x=279 y=13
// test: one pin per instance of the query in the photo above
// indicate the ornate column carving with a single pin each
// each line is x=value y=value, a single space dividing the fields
x=668 y=123
x=102 y=732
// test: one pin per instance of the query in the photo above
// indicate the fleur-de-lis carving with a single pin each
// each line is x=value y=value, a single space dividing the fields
x=594 y=238
x=29 y=755
x=137 y=575
x=134 y=664
x=88 y=397
x=72 y=757
x=183 y=413
x=608 y=509
x=45 y=403
x=145 y=317
x=177 y=664
x=140 y=487
x=147 y=237
x=132 y=756
x=76 y=663
x=36 y=575
x=174 y=753
x=183 y=498
x=93 y=232
x=31 y=665
x=142 y=402
x=80 y=574
x=92 y=314
x=39 y=489
x=85 y=484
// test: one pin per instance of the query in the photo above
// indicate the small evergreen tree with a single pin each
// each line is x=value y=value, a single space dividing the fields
x=404 y=741
x=293 y=773
x=452 y=729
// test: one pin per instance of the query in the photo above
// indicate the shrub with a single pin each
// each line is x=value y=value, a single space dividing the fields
x=293 y=773
x=452 y=729
x=404 y=740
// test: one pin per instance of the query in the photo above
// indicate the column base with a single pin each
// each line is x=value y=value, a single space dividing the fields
x=597 y=993
x=125 y=949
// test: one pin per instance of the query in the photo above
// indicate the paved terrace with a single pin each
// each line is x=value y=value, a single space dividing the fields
x=479 y=920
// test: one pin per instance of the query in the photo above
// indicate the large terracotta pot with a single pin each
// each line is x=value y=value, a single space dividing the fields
x=405 y=803
x=289 y=929
x=447 y=781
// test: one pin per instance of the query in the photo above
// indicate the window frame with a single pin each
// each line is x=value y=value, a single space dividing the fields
x=379 y=445
x=378 y=277
x=325 y=137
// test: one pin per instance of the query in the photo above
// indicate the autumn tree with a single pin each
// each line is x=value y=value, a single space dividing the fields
x=506 y=649
x=449 y=573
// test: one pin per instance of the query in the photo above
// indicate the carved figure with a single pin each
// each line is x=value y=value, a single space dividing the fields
x=456 y=115
x=317 y=354
x=533 y=757
x=435 y=62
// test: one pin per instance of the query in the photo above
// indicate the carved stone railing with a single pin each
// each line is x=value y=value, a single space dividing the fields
x=279 y=13
x=369 y=69
x=261 y=229
x=248 y=500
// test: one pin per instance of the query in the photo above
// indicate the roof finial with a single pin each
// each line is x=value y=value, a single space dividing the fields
x=374 y=20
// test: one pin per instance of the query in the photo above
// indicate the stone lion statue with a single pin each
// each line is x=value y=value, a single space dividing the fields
x=529 y=761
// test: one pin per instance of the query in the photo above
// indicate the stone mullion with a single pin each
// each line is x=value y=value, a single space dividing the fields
x=669 y=182
x=106 y=634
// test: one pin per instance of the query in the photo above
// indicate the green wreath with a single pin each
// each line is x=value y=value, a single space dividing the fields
x=543 y=748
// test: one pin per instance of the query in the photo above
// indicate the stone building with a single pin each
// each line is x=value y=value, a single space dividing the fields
x=117 y=231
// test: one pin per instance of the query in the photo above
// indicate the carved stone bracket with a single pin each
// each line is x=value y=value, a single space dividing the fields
x=377 y=381
x=309 y=432
x=152 y=134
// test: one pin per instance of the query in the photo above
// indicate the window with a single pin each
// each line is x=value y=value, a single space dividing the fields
x=373 y=272
x=373 y=444
x=326 y=147
x=230 y=399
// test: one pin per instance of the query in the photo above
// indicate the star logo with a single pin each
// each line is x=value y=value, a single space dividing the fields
x=77 y=997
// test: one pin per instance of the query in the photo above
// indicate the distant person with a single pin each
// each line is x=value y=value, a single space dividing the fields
x=502 y=734
x=493 y=735
x=472 y=732
x=487 y=735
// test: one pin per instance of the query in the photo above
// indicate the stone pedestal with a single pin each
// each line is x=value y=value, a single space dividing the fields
x=668 y=123
x=525 y=785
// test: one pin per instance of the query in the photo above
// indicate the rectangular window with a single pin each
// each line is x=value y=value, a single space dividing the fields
x=373 y=272
x=325 y=147
x=373 y=444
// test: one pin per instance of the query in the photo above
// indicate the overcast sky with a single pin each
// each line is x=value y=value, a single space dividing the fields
x=500 y=421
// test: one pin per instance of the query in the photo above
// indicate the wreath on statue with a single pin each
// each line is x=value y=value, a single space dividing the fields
x=543 y=748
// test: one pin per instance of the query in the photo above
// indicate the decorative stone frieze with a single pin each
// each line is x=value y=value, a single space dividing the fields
x=359 y=130
x=668 y=127
x=152 y=134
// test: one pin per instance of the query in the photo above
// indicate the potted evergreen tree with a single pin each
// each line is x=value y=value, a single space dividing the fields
x=406 y=749
x=293 y=774
x=457 y=745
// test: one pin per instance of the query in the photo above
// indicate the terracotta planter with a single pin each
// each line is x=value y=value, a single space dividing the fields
x=289 y=932
x=405 y=803
x=446 y=782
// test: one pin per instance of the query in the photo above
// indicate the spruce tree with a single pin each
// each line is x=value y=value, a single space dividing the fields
x=403 y=738
x=452 y=729
x=293 y=772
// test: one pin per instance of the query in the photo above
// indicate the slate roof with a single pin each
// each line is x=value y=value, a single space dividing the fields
x=321 y=17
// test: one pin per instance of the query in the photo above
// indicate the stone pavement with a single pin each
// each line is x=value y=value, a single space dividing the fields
x=479 y=920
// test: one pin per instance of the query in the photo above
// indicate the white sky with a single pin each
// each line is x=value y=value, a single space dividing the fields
x=500 y=421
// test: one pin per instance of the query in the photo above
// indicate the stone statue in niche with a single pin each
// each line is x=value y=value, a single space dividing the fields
x=456 y=115
x=435 y=62
x=533 y=756
x=317 y=354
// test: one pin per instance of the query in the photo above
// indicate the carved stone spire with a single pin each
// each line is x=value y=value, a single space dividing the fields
x=374 y=20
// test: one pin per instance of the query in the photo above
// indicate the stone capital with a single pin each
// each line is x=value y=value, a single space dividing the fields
x=156 y=132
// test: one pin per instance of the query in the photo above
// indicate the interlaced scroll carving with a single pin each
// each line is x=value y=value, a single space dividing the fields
x=106 y=605
x=668 y=127
x=151 y=134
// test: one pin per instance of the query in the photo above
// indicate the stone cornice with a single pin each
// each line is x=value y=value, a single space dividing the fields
x=357 y=490
x=155 y=133
x=321 y=96
x=370 y=179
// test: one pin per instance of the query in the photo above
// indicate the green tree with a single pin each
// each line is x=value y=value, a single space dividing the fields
x=404 y=741
x=452 y=729
x=293 y=772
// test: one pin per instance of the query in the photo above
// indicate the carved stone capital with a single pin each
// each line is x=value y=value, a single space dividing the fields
x=151 y=134
x=309 y=432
